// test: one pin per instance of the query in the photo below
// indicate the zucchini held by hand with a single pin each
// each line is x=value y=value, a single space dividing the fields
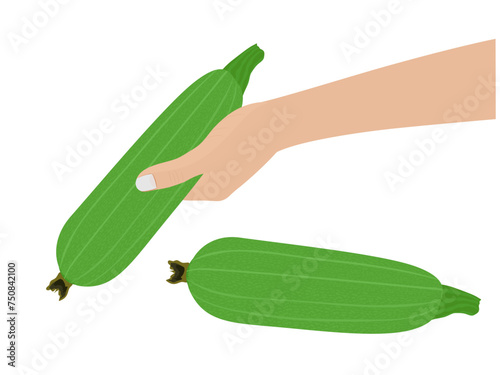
x=116 y=221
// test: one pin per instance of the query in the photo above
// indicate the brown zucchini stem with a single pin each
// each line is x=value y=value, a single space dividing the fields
x=60 y=285
x=178 y=271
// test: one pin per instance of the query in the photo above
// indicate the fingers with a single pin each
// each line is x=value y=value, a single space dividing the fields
x=168 y=174
x=217 y=148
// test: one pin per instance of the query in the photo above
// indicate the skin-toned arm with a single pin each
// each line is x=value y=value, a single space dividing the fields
x=450 y=86
x=415 y=92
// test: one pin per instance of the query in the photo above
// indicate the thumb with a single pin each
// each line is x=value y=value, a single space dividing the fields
x=168 y=174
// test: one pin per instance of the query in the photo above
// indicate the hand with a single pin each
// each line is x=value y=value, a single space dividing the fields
x=416 y=92
x=232 y=153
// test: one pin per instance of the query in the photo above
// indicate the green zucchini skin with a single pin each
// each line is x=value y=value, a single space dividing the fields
x=116 y=221
x=280 y=285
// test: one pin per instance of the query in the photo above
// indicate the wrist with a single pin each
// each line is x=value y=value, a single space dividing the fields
x=272 y=123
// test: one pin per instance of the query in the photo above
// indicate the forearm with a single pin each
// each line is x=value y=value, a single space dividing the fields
x=455 y=85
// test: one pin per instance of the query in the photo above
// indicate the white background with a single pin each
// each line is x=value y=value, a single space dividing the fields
x=444 y=218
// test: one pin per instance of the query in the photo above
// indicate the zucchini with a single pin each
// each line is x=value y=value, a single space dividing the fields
x=274 y=284
x=116 y=221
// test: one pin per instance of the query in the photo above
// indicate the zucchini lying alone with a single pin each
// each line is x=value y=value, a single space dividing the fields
x=116 y=221
x=273 y=284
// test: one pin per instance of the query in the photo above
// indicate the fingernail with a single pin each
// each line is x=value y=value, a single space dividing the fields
x=146 y=183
